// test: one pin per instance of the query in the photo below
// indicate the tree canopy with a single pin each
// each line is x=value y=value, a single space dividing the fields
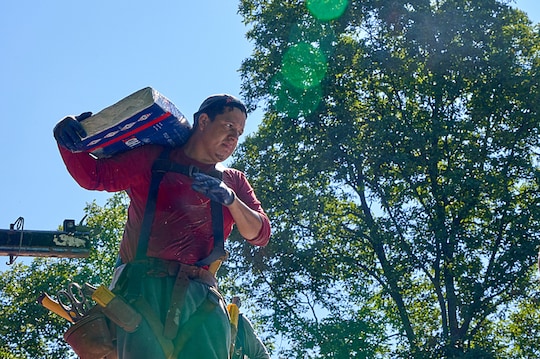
x=398 y=160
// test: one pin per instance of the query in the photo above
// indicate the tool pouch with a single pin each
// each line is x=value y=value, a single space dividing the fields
x=91 y=338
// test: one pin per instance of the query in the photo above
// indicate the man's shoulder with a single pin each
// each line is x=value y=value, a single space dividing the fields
x=149 y=150
x=232 y=173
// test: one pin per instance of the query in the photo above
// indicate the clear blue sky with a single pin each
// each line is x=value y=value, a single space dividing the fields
x=65 y=57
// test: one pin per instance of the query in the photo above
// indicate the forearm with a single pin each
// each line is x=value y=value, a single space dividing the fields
x=248 y=221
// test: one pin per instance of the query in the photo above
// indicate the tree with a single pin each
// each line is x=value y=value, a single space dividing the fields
x=398 y=160
x=27 y=330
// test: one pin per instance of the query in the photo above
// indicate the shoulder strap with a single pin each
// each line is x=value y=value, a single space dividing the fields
x=218 y=251
x=150 y=208
x=162 y=165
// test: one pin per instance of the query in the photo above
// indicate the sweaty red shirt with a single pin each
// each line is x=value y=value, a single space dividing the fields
x=182 y=227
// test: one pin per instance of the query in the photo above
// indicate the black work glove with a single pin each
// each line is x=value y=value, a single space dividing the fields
x=69 y=131
x=213 y=188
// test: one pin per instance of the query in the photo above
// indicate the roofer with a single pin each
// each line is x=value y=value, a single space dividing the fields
x=169 y=284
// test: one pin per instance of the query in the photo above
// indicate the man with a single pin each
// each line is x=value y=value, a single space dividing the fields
x=184 y=315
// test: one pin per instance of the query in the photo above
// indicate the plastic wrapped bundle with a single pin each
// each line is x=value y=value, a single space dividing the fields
x=143 y=117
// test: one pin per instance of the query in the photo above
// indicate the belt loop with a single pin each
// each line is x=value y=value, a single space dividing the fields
x=173 y=268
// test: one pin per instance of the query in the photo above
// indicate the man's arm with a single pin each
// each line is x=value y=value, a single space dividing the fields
x=248 y=222
x=109 y=174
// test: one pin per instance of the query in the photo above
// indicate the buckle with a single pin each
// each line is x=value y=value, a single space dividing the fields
x=193 y=169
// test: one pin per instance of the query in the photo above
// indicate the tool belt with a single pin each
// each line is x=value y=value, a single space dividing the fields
x=92 y=337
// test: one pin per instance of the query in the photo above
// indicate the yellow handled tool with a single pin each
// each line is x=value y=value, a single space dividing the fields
x=103 y=296
x=234 y=315
x=117 y=309
x=45 y=300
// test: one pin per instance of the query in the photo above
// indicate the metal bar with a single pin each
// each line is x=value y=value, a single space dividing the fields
x=43 y=243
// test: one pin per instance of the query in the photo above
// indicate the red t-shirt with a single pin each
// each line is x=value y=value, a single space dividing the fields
x=182 y=227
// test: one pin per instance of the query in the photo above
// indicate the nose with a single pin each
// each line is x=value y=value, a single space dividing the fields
x=235 y=134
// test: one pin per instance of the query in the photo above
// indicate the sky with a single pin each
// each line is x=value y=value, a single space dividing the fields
x=65 y=57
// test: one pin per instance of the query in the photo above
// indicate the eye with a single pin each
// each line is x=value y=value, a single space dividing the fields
x=233 y=127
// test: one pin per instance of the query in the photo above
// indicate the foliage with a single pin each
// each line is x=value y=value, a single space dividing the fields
x=398 y=160
x=28 y=330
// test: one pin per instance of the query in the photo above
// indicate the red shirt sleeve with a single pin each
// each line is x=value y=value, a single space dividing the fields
x=113 y=174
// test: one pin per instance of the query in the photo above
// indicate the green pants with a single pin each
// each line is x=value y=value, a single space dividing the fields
x=209 y=340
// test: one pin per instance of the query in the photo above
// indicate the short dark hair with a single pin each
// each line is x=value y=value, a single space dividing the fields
x=216 y=104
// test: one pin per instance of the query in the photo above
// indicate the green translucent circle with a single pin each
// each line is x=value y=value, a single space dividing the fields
x=293 y=101
x=304 y=65
x=326 y=10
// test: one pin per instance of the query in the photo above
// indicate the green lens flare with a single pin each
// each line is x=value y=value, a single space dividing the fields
x=293 y=101
x=304 y=66
x=326 y=10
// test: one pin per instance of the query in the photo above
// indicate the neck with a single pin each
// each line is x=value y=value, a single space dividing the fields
x=195 y=152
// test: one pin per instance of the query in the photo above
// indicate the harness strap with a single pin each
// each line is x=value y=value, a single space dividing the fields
x=195 y=320
x=172 y=320
x=160 y=268
x=170 y=338
x=218 y=252
x=238 y=352
x=150 y=209
x=171 y=348
x=155 y=324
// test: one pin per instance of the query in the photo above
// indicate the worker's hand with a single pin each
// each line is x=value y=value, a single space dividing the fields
x=69 y=131
x=213 y=188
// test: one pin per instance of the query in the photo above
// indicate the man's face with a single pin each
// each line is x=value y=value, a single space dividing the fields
x=220 y=136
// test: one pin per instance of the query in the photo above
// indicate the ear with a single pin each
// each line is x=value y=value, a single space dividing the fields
x=203 y=121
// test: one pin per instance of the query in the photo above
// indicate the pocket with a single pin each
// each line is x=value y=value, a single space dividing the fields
x=90 y=337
